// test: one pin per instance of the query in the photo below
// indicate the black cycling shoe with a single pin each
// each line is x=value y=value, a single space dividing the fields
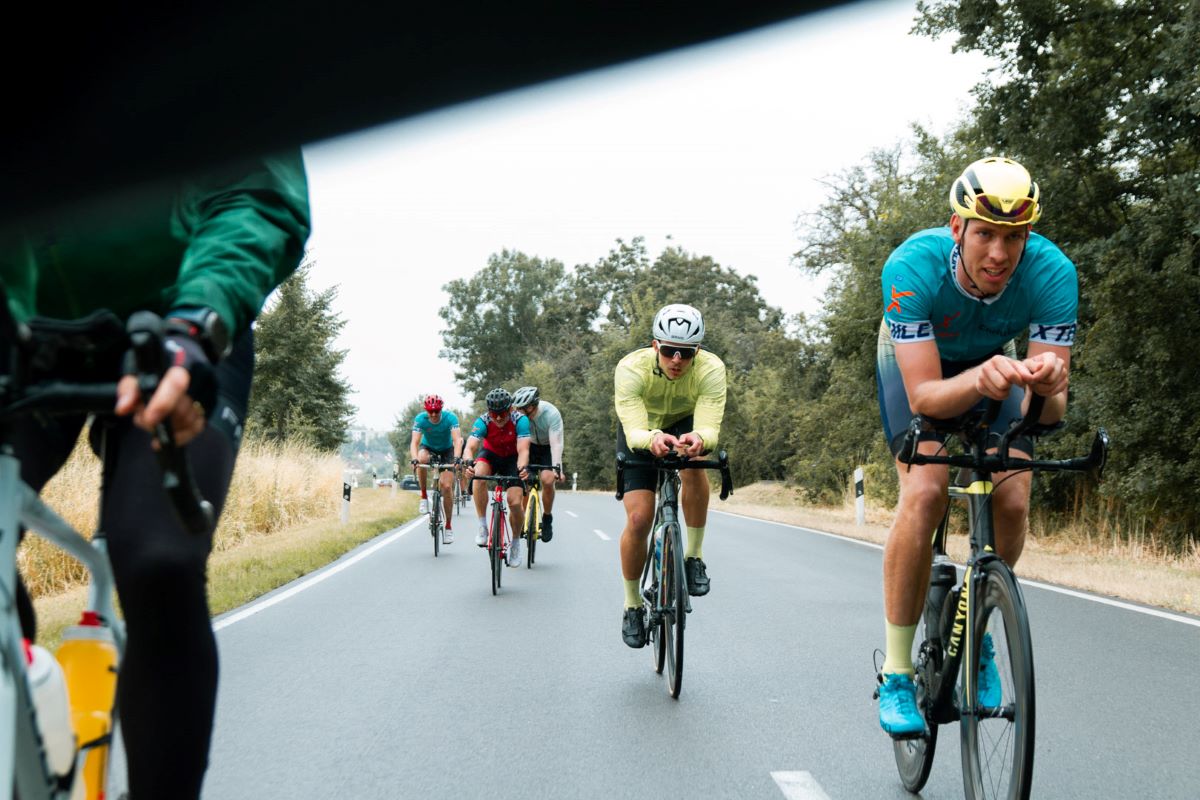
x=633 y=627
x=547 y=527
x=697 y=577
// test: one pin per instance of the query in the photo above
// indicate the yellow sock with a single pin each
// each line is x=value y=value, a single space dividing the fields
x=633 y=594
x=899 y=649
x=695 y=543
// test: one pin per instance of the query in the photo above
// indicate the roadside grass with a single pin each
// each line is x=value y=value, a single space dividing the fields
x=1086 y=558
x=282 y=520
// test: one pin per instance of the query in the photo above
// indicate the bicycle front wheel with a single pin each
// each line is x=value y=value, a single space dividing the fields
x=435 y=521
x=674 y=611
x=531 y=525
x=494 y=551
x=998 y=716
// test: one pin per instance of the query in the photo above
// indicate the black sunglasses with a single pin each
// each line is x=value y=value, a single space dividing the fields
x=672 y=350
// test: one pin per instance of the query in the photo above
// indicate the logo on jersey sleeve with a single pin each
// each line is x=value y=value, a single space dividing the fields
x=911 y=331
x=1061 y=335
x=896 y=298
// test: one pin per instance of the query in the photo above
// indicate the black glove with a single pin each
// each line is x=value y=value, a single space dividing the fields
x=182 y=350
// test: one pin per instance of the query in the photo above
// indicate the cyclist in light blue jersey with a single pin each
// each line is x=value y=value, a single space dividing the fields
x=545 y=447
x=436 y=435
x=953 y=299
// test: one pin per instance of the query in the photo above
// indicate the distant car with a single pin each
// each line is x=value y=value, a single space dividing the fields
x=383 y=482
x=409 y=482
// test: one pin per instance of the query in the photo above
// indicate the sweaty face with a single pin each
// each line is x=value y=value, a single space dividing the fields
x=990 y=254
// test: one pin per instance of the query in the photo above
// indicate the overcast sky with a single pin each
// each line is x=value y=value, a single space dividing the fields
x=722 y=147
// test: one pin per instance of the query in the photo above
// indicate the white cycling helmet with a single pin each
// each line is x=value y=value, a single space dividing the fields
x=679 y=324
x=524 y=396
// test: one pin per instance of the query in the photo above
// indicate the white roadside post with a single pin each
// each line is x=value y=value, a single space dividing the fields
x=860 y=503
x=345 y=502
x=574 y=480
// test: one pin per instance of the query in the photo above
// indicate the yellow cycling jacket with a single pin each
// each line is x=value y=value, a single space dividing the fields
x=647 y=401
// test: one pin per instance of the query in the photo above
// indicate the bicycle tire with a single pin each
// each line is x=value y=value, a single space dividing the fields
x=674 y=617
x=531 y=531
x=436 y=521
x=997 y=743
x=494 y=552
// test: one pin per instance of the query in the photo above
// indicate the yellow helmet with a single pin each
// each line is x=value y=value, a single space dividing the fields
x=996 y=190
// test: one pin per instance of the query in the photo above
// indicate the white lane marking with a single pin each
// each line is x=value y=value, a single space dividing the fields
x=1108 y=601
x=573 y=514
x=601 y=534
x=251 y=610
x=799 y=786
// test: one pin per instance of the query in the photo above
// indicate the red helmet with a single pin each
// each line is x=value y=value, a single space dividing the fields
x=433 y=403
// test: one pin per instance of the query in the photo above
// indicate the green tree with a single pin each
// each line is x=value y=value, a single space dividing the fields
x=298 y=393
x=1101 y=100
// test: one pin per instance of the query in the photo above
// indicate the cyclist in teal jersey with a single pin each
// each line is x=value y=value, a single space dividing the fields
x=436 y=434
x=545 y=447
x=953 y=299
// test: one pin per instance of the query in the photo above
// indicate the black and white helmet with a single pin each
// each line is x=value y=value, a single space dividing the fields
x=526 y=395
x=498 y=400
x=679 y=324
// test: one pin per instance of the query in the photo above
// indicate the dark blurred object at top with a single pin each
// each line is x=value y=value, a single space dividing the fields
x=103 y=98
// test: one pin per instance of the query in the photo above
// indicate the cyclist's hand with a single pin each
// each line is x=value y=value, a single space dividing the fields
x=691 y=445
x=470 y=469
x=996 y=377
x=170 y=400
x=662 y=444
x=523 y=472
x=559 y=477
x=1049 y=374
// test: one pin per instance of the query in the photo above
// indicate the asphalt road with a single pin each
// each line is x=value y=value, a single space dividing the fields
x=392 y=674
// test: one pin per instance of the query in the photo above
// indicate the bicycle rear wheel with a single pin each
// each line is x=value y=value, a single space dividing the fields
x=914 y=757
x=675 y=609
x=997 y=739
x=531 y=525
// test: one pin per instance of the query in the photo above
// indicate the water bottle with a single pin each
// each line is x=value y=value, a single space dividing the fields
x=89 y=661
x=49 y=689
x=941 y=578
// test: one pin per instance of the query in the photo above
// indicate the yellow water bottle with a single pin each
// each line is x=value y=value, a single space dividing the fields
x=89 y=661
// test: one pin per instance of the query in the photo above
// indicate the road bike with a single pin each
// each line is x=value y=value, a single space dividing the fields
x=983 y=620
x=664 y=585
x=24 y=762
x=437 y=526
x=533 y=508
x=498 y=538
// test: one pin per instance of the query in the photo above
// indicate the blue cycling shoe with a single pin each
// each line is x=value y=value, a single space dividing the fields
x=988 y=691
x=898 y=712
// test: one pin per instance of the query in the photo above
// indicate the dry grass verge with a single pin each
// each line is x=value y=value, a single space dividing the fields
x=1135 y=571
x=281 y=521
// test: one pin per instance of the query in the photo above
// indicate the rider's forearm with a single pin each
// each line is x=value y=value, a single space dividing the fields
x=947 y=398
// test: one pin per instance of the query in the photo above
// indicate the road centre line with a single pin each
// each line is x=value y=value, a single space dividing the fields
x=602 y=534
x=573 y=514
x=1108 y=601
x=315 y=578
x=799 y=786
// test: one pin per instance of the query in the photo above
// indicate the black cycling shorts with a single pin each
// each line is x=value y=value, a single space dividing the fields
x=637 y=478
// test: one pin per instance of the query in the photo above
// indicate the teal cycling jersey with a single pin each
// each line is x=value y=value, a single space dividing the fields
x=923 y=300
x=439 y=436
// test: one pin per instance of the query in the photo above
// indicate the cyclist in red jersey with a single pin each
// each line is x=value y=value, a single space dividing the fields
x=504 y=434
